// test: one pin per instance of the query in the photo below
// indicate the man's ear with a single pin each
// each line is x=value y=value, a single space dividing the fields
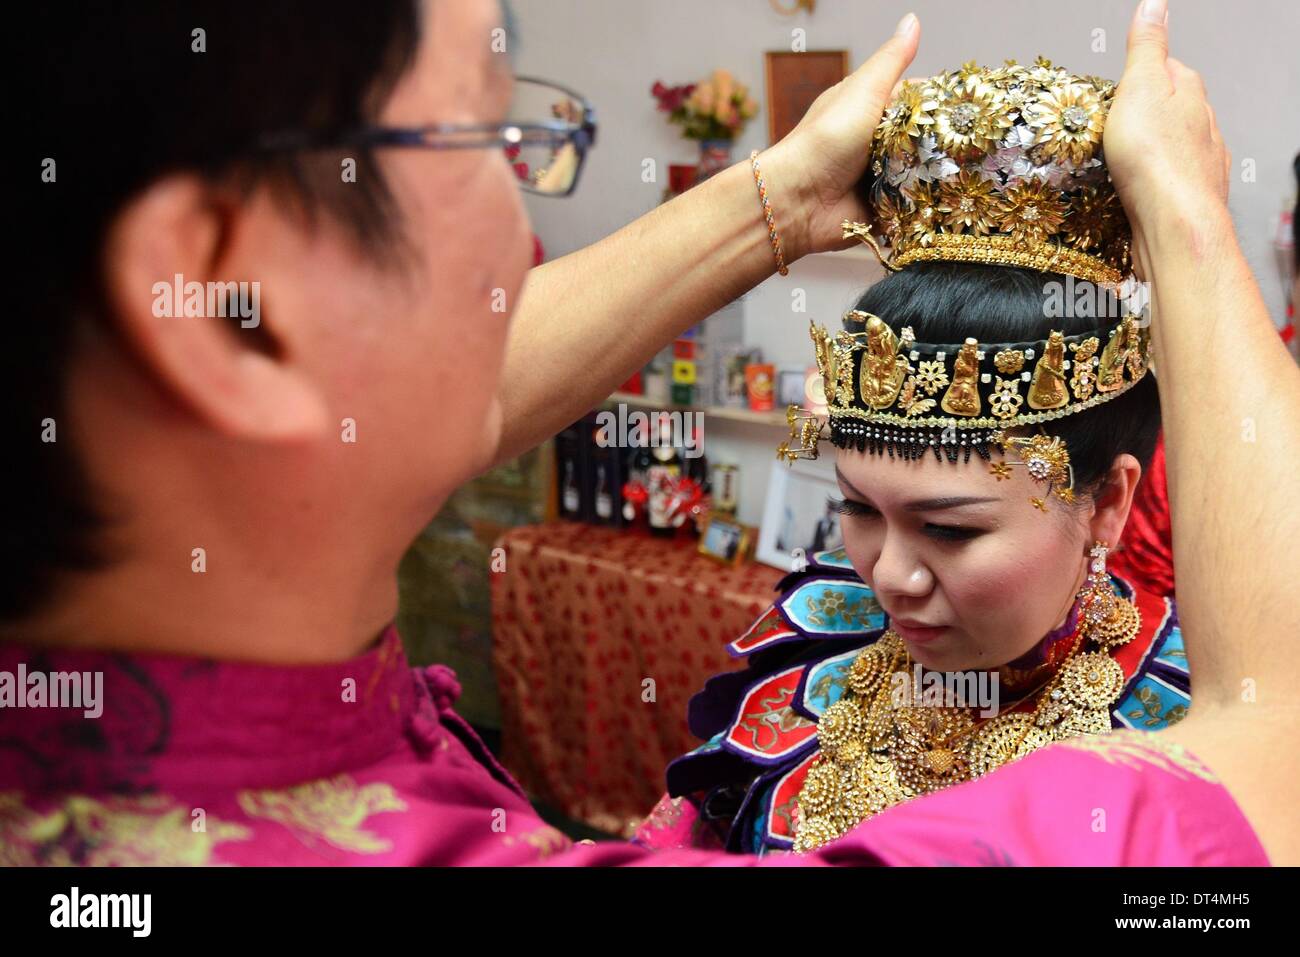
x=230 y=373
x=1115 y=499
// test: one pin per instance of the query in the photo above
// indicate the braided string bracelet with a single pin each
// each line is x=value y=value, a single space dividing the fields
x=772 y=235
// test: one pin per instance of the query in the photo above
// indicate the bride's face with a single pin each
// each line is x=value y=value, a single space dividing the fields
x=949 y=545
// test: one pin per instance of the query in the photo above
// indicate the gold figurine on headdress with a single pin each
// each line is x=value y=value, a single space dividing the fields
x=883 y=366
x=826 y=359
x=1116 y=356
x=963 y=397
x=1047 y=389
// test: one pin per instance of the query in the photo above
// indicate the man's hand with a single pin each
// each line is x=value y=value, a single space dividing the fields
x=812 y=172
x=686 y=259
x=1163 y=147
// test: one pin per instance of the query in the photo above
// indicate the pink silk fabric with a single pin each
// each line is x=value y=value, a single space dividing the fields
x=197 y=762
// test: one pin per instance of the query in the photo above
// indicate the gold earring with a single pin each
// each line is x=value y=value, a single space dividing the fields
x=1110 y=620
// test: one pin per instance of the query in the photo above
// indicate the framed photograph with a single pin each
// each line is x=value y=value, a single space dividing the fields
x=725 y=482
x=732 y=363
x=790 y=387
x=796 y=517
x=794 y=80
x=725 y=540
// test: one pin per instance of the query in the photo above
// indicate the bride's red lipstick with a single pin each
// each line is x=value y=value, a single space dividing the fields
x=916 y=633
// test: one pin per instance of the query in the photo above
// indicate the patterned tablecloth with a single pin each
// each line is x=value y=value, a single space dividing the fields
x=600 y=637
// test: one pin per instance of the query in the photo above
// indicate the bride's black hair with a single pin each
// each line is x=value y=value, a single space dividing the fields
x=946 y=302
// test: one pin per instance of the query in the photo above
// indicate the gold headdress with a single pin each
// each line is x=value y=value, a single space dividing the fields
x=1001 y=167
x=888 y=393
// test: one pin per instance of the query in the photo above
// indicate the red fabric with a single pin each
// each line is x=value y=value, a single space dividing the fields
x=581 y=616
x=1146 y=553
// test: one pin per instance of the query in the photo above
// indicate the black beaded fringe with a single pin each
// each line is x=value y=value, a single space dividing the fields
x=911 y=443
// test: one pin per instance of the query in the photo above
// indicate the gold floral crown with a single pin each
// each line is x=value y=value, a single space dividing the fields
x=883 y=394
x=1001 y=166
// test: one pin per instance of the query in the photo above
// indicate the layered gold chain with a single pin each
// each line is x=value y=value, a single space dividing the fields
x=876 y=752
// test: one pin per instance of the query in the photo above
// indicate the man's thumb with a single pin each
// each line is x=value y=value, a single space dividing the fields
x=1148 y=37
x=880 y=73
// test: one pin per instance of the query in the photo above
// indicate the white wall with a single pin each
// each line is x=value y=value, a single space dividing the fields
x=612 y=51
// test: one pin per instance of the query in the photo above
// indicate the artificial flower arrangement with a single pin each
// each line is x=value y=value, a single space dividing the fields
x=714 y=109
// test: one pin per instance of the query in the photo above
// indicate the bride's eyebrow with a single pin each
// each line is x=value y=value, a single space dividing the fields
x=925 y=504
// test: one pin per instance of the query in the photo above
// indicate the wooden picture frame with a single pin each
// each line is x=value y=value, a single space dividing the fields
x=791 y=386
x=794 y=80
x=725 y=540
x=797 y=518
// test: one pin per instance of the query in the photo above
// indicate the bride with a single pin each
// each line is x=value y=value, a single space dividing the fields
x=987 y=448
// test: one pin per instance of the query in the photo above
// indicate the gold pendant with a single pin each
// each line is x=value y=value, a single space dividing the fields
x=1092 y=680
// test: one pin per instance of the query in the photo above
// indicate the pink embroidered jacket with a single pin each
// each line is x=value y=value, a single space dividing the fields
x=196 y=762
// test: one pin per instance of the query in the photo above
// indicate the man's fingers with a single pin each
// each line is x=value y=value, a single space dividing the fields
x=1148 y=39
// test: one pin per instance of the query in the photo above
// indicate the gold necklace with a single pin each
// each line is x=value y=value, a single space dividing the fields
x=876 y=753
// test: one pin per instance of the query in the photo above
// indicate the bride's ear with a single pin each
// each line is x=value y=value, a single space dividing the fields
x=1115 y=499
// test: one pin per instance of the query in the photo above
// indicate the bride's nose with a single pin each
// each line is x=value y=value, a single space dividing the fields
x=898 y=570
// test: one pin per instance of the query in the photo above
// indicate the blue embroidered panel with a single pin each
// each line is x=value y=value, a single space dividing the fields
x=1174 y=652
x=824 y=682
x=833 y=558
x=833 y=606
x=713 y=744
x=1152 y=704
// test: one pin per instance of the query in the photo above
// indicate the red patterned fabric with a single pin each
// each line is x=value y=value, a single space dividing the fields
x=1146 y=553
x=582 y=616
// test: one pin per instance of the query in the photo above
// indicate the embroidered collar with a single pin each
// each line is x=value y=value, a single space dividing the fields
x=169 y=720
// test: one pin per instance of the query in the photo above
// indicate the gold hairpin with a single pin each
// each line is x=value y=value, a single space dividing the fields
x=862 y=231
x=806 y=429
x=1045 y=458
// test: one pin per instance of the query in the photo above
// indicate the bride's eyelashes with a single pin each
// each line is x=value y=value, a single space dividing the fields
x=847 y=506
x=943 y=533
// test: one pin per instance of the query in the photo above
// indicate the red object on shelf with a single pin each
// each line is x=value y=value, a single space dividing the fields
x=760 y=384
x=633 y=384
x=584 y=616
x=680 y=177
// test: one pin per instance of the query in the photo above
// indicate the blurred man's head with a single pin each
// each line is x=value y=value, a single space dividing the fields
x=312 y=443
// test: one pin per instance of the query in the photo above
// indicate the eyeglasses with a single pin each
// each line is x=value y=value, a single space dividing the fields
x=546 y=140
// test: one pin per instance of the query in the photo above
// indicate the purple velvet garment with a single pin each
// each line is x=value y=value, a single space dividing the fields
x=196 y=762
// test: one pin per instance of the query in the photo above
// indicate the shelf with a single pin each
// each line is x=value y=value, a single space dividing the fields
x=773 y=419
